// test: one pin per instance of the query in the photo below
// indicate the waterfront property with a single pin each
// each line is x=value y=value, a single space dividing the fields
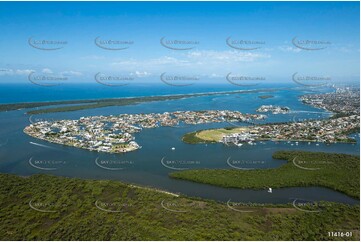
x=328 y=131
x=273 y=109
x=114 y=134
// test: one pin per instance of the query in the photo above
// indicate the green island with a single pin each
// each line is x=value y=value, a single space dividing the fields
x=44 y=207
x=75 y=105
x=340 y=172
x=265 y=96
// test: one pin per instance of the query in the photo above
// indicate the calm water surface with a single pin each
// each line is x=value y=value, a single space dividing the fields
x=144 y=166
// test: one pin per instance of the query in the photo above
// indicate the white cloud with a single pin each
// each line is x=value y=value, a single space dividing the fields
x=71 y=73
x=212 y=56
x=289 y=49
x=16 y=72
x=151 y=63
x=47 y=71
x=205 y=61
x=141 y=73
x=214 y=75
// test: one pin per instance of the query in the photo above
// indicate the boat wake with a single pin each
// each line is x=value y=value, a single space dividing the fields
x=41 y=145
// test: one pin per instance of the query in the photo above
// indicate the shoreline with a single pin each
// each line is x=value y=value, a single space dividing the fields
x=195 y=198
x=52 y=142
x=136 y=99
x=202 y=141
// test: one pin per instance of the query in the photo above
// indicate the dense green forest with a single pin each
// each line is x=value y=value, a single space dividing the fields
x=340 y=172
x=43 y=207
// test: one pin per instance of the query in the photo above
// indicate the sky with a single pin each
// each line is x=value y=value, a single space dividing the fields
x=270 y=40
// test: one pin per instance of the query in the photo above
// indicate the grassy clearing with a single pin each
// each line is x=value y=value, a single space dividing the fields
x=210 y=135
x=215 y=135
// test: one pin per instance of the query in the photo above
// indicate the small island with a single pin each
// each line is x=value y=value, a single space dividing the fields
x=265 y=96
x=273 y=109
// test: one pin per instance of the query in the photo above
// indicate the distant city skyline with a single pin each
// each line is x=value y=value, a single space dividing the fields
x=270 y=40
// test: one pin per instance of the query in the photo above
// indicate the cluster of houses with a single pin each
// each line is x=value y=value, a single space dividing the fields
x=343 y=100
x=273 y=109
x=114 y=134
x=328 y=130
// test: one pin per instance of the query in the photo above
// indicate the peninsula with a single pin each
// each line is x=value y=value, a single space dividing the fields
x=336 y=171
x=327 y=131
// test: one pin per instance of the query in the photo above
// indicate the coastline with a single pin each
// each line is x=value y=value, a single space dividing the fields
x=105 y=102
